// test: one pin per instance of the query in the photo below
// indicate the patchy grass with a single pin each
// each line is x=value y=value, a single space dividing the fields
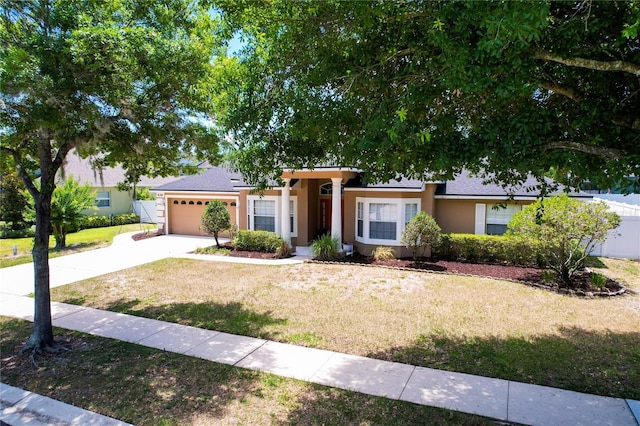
x=460 y=323
x=146 y=386
x=625 y=271
x=87 y=239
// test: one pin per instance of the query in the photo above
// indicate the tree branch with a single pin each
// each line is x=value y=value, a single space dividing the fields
x=591 y=64
x=562 y=90
x=600 y=151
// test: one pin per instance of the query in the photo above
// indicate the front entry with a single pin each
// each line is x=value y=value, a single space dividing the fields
x=325 y=215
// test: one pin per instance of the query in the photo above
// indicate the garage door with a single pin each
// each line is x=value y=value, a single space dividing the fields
x=185 y=215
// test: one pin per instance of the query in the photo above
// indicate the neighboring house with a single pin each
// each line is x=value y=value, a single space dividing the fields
x=335 y=200
x=109 y=200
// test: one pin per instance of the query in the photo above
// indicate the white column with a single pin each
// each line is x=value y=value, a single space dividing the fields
x=285 y=214
x=336 y=209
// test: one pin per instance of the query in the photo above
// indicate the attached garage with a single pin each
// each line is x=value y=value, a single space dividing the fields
x=184 y=214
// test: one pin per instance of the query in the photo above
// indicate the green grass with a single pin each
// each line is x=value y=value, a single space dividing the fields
x=459 y=323
x=87 y=239
x=146 y=386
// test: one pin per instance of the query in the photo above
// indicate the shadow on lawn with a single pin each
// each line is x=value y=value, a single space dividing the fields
x=228 y=317
x=602 y=363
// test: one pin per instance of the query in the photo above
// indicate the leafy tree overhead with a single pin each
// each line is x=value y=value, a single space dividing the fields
x=428 y=88
x=569 y=228
x=125 y=82
x=215 y=218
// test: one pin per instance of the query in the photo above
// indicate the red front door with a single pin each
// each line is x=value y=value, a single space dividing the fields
x=325 y=215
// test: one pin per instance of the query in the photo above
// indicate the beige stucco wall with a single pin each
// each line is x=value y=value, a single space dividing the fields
x=120 y=203
x=459 y=216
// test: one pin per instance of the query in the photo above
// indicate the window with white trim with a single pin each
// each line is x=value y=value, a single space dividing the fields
x=103 y=199
x=263 y=214
x=382 y=220
x=498 y=217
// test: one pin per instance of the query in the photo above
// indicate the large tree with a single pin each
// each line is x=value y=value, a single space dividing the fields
x=417 y=87
x=122 y=81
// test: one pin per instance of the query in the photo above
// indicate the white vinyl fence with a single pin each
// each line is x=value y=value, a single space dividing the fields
x=624 y=241
x=146 y=210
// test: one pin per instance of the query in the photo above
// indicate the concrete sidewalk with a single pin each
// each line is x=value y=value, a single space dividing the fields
x=495 y=398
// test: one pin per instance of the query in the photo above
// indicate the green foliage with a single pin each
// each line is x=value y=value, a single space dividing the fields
x=568 y=228
x=411 y=87
x=12 y=201
x=598 y=280
x=127 y=83
x=68 y=203
x=487 y=248
x=143 y=194
x=421 y=232
x=215 y=219
x=326 y=247
x=125 y=219
x=7 y=231
x=383 y=253
x=263 y=241
x=95 y=221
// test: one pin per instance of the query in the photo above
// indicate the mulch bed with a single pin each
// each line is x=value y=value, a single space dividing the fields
x=526 y=275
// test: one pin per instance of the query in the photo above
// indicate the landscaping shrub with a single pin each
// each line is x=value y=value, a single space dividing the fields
x=262 y=241
x=421 y=231
x=7 y=231
x=326 y=247
x=215 y=219
x=383 y=253
x=125 y=219
x=487 y=248
x=95 y=221
x=283 y=251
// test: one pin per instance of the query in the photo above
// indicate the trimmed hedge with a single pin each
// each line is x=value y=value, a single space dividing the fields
x=125 y=219
x=263 y=241
x=487 y=248
x=94 y=221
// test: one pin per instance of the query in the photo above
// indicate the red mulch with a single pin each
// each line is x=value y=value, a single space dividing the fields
x=528 y=275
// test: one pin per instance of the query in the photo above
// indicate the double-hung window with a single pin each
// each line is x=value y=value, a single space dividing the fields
x=498 y=217
x=103 y=199
x=382 y=221
x=264 y=214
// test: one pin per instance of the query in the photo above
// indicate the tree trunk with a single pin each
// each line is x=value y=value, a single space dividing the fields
x=42 y=334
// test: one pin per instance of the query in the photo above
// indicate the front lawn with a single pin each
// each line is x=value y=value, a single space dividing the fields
x=460 y=323
x=147 y=386
x=87 y=239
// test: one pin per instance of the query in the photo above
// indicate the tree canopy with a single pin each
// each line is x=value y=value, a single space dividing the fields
x=126 y=82
x=424 y=89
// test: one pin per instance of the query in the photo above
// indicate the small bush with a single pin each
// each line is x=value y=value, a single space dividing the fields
x=598 y=280
x=213 y=250
x=6 y=231
x=94 y=221
x=383 y=253
x=549 y=276
x=487 y=248
x=326 y=247
x=283 y=251
x=125 y=219
x=263 y=241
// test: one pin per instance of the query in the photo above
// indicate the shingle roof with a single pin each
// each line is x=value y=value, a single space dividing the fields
x=82 y=171
x=392 y=184
x=466 y=184
x=214 y=179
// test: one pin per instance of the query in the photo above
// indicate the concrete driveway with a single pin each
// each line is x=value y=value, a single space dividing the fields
x=122 y=254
